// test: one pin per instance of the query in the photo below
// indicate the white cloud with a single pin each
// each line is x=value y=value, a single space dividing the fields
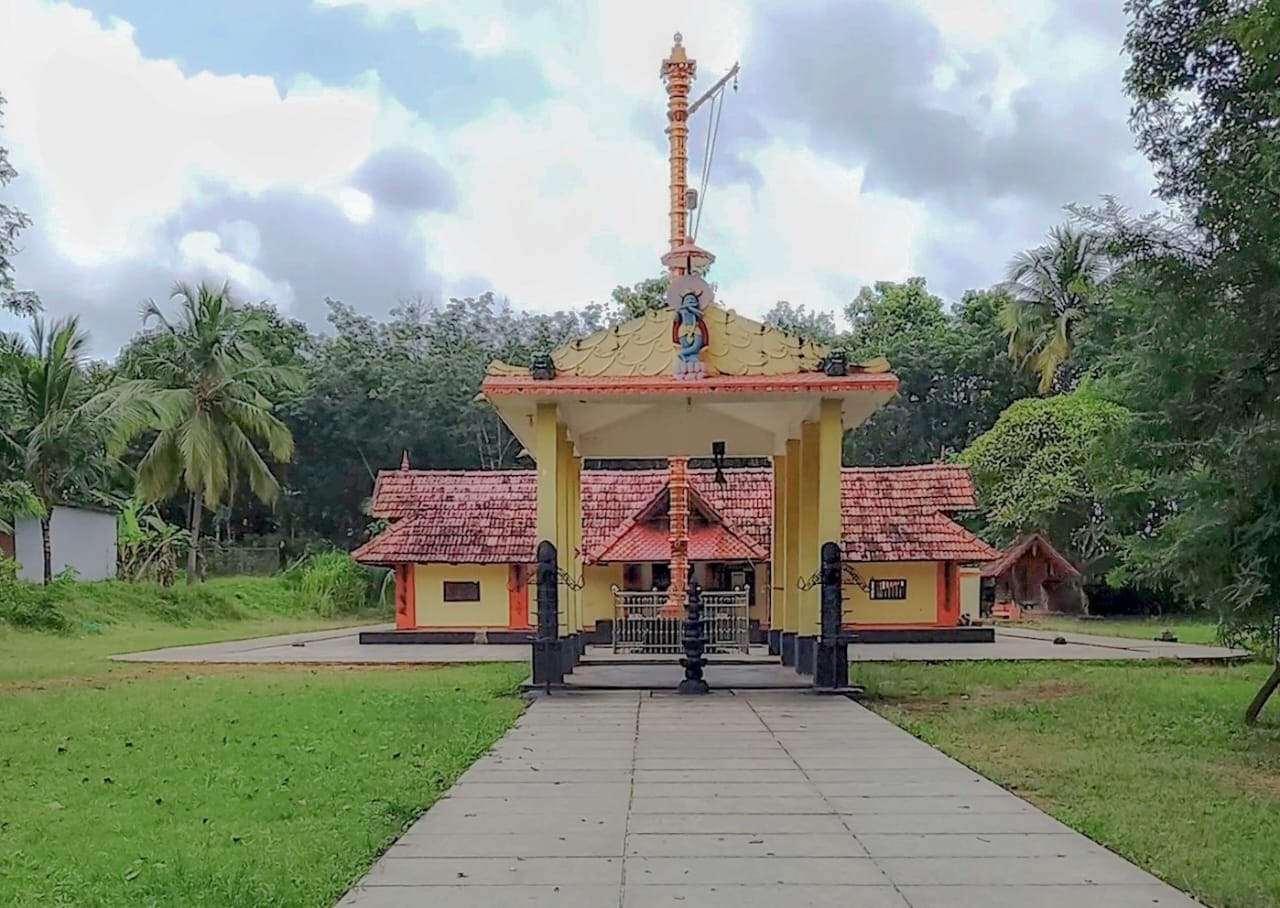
x=117 y=142
x=556 y=203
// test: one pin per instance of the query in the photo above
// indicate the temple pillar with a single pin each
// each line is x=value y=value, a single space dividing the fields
x=575 y=543
x=807 y=619
x=830 y=658
x=547 y=652
x=551 y=491
x=790 y=591
x=564 y=546
x=778 y=556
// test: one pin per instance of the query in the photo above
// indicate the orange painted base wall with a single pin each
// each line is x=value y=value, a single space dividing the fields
x=518 y=600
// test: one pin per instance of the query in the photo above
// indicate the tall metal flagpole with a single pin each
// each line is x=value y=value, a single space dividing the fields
x=678 y=72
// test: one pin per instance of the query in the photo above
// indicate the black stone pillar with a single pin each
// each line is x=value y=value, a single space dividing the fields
x=775 y=641
x=804 y=655
x=831 y=661
x=694 y=642
x=788 y=647
x=548 y=657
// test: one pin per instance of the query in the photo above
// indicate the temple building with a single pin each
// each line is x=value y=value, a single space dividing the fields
x=462 y=542
x=681 y=560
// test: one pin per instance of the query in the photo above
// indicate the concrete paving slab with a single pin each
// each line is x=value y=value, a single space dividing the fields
x=754 y=871
x=488 y=871
x=1004 y=896
x=551 y=843
x=801 y=845
x=756 y=799
x=800 y=896
x=961 y=845
x=736 y=823
x=557 y=896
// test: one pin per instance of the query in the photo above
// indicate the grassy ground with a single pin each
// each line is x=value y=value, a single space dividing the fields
x=1151 y=760
x=232 y=787
x=1186 y=630
x=115 y=617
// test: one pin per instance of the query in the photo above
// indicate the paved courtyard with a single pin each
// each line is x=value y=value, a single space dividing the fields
x=342 y=645
x=781 y=799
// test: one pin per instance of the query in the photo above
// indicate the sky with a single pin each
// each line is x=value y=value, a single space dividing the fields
x=377 y=150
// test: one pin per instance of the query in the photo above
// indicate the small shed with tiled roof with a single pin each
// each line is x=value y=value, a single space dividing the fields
x=462 y=543
x=1028 y=574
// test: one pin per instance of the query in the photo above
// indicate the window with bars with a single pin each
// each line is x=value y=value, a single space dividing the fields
x=888 y=589
x=461 y=591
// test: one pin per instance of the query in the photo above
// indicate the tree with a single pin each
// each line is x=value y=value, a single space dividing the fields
x=1050 y=289
x=819 y=327
x=1038 y=470
x=954 y=377
x=12 y=222
x=1195 y=348
x=649 y=295
x=61 y=439
x=210 y=383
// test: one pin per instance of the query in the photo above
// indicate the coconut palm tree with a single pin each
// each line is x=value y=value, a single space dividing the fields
x=59 y=438
x=1050 y=288
x=210 y=386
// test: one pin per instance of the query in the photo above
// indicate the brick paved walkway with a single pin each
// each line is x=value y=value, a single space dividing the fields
x=781 y=799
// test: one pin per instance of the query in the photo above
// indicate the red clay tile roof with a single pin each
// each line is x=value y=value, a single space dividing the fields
x=652 y=542
x=907 y=490
x=910 y=537
x=890 y=513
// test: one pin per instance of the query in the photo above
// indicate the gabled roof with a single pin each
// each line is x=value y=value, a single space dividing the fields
x=460 y=516
x=1036 y=546
x=652 y=542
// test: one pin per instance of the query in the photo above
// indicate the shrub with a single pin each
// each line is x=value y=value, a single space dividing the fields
x=332 y=584
x=30 y=605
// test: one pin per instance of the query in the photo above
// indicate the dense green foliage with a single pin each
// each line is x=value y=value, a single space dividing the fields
x=1036 y=469
x=253 y=786
x=1190 y=341
x=1149 y=760
x=325 y=586
x=12 y=223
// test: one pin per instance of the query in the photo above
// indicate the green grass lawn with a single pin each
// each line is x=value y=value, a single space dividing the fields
x=1152 y=760
x=113 y=617
x=127 y=784
x=1186 y=630
x=229 y=787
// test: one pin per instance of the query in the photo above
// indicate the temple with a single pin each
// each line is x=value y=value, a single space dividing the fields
x=788 y=556
x=461 y=543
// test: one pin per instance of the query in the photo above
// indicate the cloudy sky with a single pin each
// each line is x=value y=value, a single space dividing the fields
x=370 y=150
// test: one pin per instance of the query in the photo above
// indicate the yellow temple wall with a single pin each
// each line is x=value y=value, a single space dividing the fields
x=597 y=592
x=920 y=606
x=760 y=611
x=492 y=610
x=970 y=591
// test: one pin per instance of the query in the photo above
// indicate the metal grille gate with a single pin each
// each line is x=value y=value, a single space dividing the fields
x=645 y=622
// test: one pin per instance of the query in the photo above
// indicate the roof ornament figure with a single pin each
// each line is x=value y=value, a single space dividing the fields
x=404 y=460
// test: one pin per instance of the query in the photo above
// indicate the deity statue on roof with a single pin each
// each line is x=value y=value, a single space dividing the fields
x=689 y=297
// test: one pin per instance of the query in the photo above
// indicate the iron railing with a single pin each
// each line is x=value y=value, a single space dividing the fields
x=645 y=622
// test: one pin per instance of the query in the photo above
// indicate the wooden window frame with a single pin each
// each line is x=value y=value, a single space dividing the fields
x=880 y=589
x=451 y=591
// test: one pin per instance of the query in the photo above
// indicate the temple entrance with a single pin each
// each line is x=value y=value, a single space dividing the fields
x=692 y=380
